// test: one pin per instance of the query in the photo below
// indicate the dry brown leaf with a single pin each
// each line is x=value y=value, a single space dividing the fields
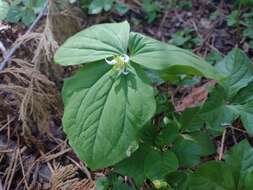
x=198 y=95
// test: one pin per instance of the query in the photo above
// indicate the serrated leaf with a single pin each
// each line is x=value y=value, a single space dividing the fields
x=93 y=44
x=102 y=121
x=212 y=176
x=158 y=164
x=240 y=160
x=4 y=8
x=169 y=59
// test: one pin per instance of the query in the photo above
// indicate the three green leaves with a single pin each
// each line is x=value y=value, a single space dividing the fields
x=105 y=107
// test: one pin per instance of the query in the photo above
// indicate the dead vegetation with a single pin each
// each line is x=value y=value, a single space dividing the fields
x=32 y=152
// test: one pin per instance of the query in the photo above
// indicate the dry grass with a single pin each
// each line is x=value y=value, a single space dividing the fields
x=33 y=152
x=63 y=178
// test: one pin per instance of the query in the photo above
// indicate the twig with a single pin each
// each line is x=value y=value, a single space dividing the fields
x=3 y=49
x=81 y=167
x=54 y=156
x=10 y=53
x=23 y=170
x=222 y=144
x=1 y=185
x=12 y=171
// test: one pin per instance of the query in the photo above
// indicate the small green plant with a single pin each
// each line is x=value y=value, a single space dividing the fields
x=214 y=57
x=185 y=39
x=235 y=173
x=245 y=21
x=151 y=8
x=110 y=99
x=97 y=6
x=186 y=5
x=4 y=8
x=242 y=21
x=20 y=10
x=110 y=107
x=232 y=18
x=94 y=6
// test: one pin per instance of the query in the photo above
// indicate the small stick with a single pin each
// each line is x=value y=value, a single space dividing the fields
x=54 y=156
x=222 y=144
x=82 y=167
x=1 y=185
x=3 y=49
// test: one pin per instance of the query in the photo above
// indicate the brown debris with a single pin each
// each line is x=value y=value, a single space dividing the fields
x=198 y=95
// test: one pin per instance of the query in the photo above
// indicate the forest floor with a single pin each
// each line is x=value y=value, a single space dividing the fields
x=34 y=152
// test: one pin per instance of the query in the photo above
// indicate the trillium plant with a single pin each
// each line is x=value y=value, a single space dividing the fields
x=110 y=102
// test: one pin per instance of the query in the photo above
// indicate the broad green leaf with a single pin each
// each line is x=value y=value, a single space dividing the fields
x=102 y=120
x=14 y=14
x=148 y=134
x=216 y=113
x=212 y=176
x=167 y=135
x=248 y=181
x=4 y=8
x=235 y=173
x=238 y=69
x=234 y=99
x=191 y=120
x=87 y=71
x=158 y=164
x=94 y=43
x=188 y=151
x=112 y=182
x=204 y=141
x=148 y=163
x=134 y=165
x=178 y=180
x=240 y=160
x=169 y=59
x=244 y=96
x=245 y=112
